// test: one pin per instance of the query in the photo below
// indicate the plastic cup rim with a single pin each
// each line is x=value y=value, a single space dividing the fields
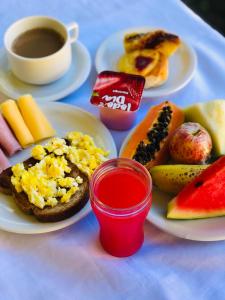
x=120 y=211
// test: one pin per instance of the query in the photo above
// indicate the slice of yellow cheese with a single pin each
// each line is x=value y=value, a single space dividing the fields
x=34 y=118
x=15 y=120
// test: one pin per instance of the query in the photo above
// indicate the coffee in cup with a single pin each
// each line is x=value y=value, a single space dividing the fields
x=39 y=48
x=38 y=42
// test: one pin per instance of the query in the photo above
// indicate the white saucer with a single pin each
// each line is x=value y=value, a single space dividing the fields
x=181 y=65
x=64 y=118
x=71 y=81
x=212 y=229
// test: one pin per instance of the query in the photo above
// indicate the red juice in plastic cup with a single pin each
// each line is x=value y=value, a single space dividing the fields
x=121 y=194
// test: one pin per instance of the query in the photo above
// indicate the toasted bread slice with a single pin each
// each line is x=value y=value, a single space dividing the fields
x=155 y=73
x=134 y=41
x=159 y=74
x=5 y=176
x=5 y=181
x=48 y=214
x=159 y=40
x=139 y=62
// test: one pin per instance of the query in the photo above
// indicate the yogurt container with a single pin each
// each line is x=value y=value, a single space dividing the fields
x=118 y=97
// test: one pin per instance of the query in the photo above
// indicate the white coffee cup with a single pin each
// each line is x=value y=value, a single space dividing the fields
x=48 y=68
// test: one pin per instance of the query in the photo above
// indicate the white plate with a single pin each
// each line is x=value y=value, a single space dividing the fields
x=199 y=230
x=71 y=81
x=64 y=118
x=181 y=65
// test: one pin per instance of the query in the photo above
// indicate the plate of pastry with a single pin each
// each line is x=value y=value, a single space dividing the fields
x=165 y=60
x=47 y=155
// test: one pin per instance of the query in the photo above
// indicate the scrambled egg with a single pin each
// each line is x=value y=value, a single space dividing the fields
x=84 y=153
x=48 y=181
x=38 y=152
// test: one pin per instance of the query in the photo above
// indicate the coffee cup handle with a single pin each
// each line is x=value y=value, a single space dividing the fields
x=73 y=31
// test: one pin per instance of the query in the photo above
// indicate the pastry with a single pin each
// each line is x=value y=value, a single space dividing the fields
x=147 y=54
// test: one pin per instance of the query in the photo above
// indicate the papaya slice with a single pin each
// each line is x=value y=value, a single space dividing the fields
x=149 y=142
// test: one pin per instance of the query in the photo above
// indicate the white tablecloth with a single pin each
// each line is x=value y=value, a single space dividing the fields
x=70 y=264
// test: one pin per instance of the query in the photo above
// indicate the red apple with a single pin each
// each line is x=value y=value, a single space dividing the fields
x=190 y=144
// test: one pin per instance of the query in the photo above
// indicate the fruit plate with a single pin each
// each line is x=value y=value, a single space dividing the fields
x=199 y=230
x=64 y=118
x=181 y=65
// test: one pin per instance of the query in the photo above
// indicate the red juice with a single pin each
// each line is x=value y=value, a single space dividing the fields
x=120 y=188
x=121 y=199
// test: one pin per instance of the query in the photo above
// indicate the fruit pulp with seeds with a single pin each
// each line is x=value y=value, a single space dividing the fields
x=149 y=142
x=121 y=235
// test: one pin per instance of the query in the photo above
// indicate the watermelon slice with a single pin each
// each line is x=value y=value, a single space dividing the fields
x=204 y=197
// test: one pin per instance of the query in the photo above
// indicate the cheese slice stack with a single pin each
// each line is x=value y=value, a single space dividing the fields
x=15 y=120
x=34 y=118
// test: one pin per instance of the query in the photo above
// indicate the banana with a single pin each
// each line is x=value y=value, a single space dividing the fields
x=172 y=178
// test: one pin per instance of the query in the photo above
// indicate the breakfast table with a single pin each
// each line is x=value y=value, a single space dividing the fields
x=70 y=263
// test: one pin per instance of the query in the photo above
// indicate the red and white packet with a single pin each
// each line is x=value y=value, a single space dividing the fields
x=118 y=97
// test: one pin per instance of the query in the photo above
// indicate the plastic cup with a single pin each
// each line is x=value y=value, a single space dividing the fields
x=121 y=228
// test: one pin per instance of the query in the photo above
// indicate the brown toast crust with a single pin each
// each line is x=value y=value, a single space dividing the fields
x=5 y=182
x=48 y=214
x=149 y=40
x=5 y=176
x=159 y=74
